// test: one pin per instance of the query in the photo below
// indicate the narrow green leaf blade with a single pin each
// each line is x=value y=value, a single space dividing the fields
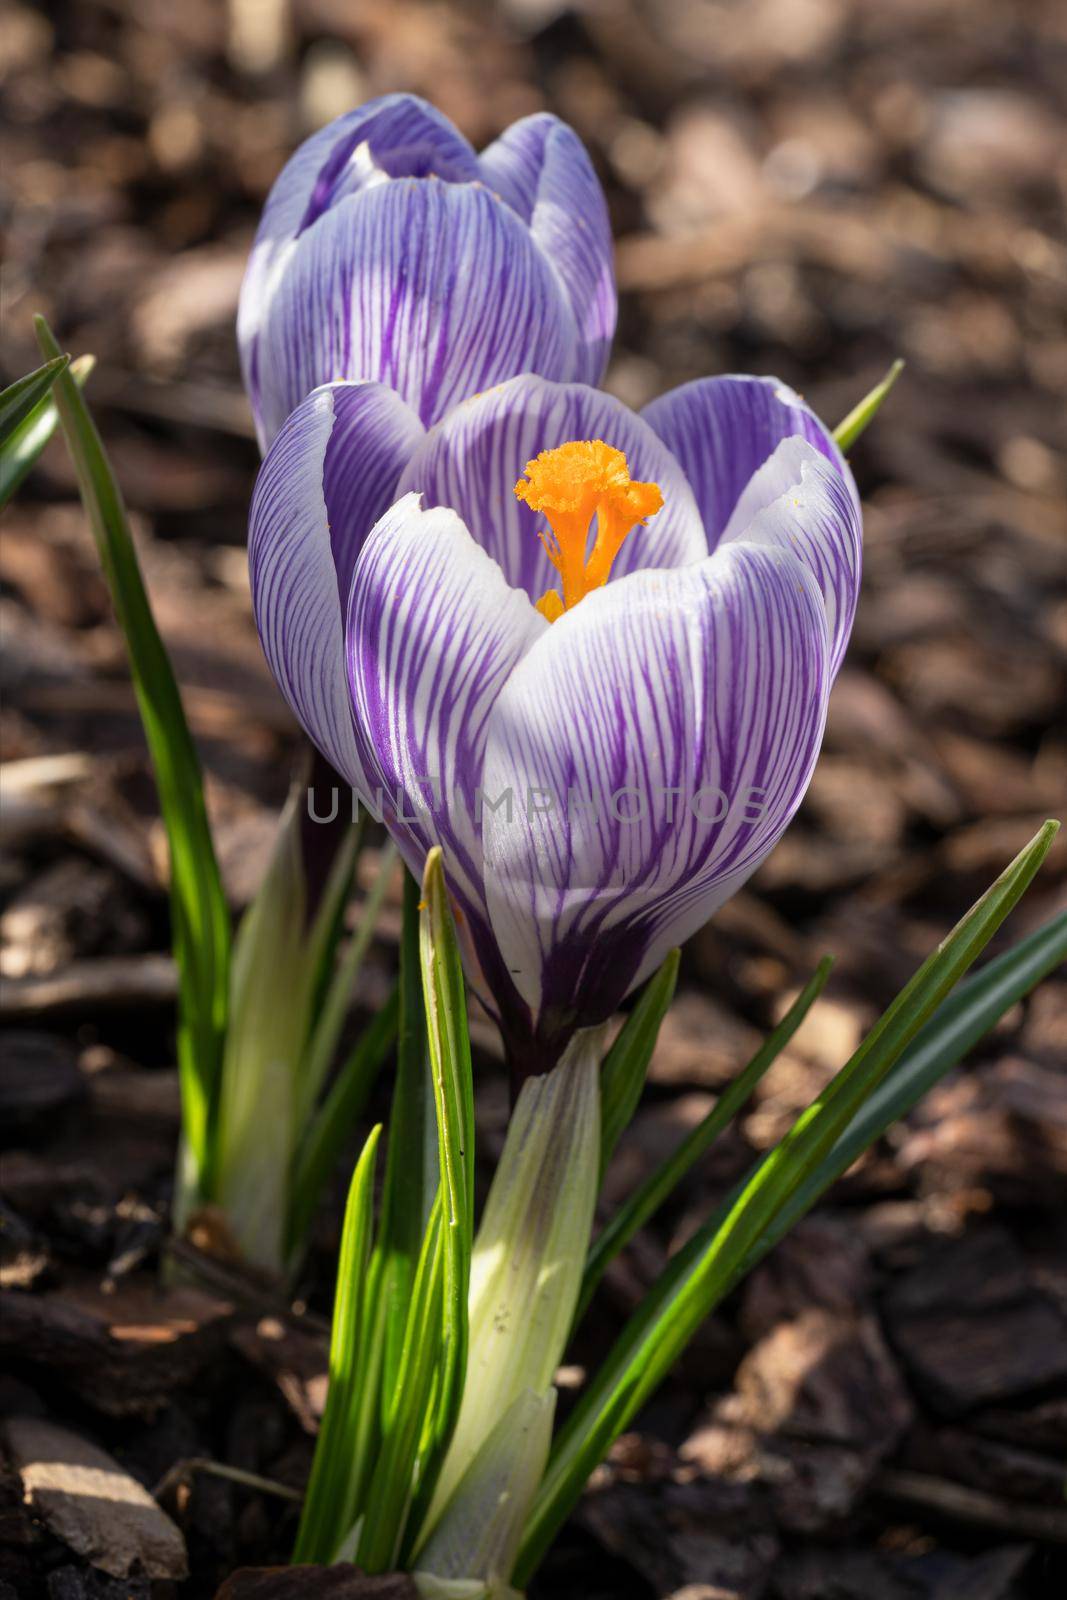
x=22 y=396
x=327 y=1510
x=28 y=438
x=323 y=1042
x=626 y=1064
x=391 y=1486
x=449 y=1041
x=201 y=920
x=450 y=1065
x=958 y=1024
x=646 y=1200
x=408 y=1193
x=709 y=1264
x=860 y=417
x=328 y=923
x=412 y=1166
x=333 y=1122
x=255 y=1131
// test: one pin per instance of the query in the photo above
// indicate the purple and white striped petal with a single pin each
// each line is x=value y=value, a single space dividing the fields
x=436 y=289
x=656 y=742
x=397 y=135
x=329 y=475
x=433 y=633
x=799 y=503
x=541 y=168
x=472 y=460
x=723 y=429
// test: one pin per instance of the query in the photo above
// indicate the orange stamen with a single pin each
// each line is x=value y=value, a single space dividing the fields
x=570 y=485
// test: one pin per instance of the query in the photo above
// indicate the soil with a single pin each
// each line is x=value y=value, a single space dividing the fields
x=802 y=187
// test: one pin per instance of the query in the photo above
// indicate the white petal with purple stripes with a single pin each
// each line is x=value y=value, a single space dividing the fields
x=435 y=289
x=396 y=135
x=686 y=707
x=472 y=460
x=722 y=430
x=541 y=168
x=798 y=502
x=328 y=476
x=434 y=632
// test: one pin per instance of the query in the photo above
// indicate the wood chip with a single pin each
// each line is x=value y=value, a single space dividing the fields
x=972 y=1326
x=39 y=1080
x=112 y=983
x=122 y=1352
x=86 y=1499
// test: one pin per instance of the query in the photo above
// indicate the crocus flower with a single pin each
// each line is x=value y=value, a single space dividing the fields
x=390 y=250
x=628 y=624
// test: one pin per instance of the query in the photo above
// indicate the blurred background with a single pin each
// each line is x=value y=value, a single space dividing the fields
x=808 y=188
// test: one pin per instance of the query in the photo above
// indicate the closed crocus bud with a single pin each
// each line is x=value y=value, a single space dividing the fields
x=588 y=653
x=390 y=250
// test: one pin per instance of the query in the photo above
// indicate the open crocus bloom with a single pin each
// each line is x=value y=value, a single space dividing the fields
x=634 y=644
x=389 y=250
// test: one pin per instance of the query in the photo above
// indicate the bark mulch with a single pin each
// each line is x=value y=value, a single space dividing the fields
x=809 y=189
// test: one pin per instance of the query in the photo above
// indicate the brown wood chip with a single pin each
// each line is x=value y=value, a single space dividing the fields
x=86 y=1499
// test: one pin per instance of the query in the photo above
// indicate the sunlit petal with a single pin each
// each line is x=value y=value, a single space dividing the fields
x=331 y=472
x=685 y=708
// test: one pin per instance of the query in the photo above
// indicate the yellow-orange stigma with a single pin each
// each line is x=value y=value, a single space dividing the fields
x=570 y=485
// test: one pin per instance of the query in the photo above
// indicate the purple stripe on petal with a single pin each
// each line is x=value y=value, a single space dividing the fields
x=723 y=429
x=328 y=476
x=394 y=135
x=540 y=167
x=398 y=136
x=636 y=712
x=374 y=435
x=797 y=502
x=472 y=460
x=433 y=633
x=435 y=289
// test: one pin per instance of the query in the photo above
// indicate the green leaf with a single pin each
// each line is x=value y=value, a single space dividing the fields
x=200 y=917
x=412 y=1166
x=644 y=1203
x=390 y=1489
x=453 y=1085
x=333 y=1122
x=328 y=923
x=958 y=1024
x=529 y=1250
x=626 y=1064
x=328 y=1510
x=478 y=1534
x=709 y=1265
x=411 y=1183
x=254 y=1114
x=22 y=396
x=860 y=417
x=26 y=440
x=315 y=1064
